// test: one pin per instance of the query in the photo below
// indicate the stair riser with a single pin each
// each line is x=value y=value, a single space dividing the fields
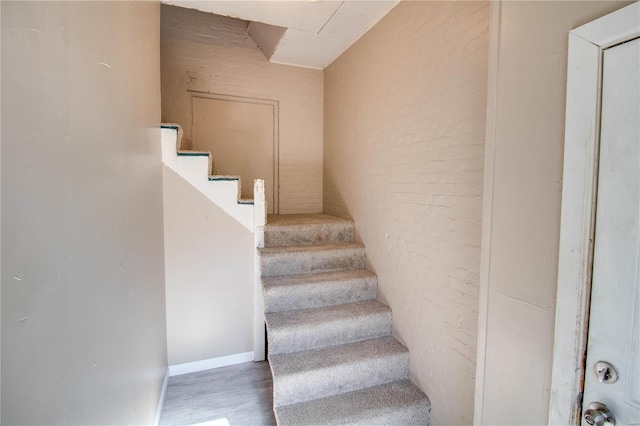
x=341 y=378
x=296 y=263
x=277 y=236
x=416 y=415
x=329 y=333
x=303 y=296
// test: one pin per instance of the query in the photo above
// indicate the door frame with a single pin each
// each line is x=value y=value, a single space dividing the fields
x=276 y=131
x=577 y=226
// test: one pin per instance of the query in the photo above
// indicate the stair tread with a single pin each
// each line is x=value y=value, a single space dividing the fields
x=307 y=329
x=284 y=220
x=380 y=404
x=310 y=248
x=306 y=291
x=323 y=277
x=307 y=229
x=337 y=313
x=283 y=365
x=297 y=260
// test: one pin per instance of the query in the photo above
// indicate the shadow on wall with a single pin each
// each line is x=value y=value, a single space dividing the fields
x=334 y=202
x=209 y=276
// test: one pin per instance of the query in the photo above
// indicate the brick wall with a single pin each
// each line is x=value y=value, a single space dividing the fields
x=404 y=150
x=210 y=53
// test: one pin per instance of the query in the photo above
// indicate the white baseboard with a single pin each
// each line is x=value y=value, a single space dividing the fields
x=163 y=393
x=208 y=364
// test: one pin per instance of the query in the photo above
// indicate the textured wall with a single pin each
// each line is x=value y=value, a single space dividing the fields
x=522 y=215
x=209 y=274
x=404 y=145
x=209 y=53
x=83 y=312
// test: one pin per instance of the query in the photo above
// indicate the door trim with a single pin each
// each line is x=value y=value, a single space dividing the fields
x=582 y=138
x=276 y=131
x=487 y=205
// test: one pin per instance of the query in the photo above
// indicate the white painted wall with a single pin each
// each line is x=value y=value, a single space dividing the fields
x=209 y=276
x=521 y=218
x=210 y=53
x=404 y=148
x=83 y=313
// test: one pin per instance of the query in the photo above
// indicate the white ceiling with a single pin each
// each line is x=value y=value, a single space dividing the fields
x=317 y=32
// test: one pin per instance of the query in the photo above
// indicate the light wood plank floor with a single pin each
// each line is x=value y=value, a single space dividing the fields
x=238 y=395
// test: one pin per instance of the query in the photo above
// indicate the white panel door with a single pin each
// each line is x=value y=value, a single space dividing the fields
x=614 y=326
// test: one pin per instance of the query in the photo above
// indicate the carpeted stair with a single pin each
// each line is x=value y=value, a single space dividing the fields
x=330 y=347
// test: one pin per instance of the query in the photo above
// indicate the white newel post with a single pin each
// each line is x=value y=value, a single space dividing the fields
x=259 y=220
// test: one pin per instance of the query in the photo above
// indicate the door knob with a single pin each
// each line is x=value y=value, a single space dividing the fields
x=599 y=414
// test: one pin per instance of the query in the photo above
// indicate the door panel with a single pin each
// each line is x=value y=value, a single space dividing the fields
x=614 y=327
x=240 y=136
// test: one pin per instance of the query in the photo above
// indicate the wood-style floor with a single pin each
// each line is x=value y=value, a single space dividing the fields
x=239 y=395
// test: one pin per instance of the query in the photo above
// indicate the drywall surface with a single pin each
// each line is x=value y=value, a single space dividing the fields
x=522 y=214
x=267 y=37
x=404 y=148
x=209 y=276
x=83 y=313
x=203 y=52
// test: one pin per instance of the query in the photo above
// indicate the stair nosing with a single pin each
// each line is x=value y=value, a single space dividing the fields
x=310 y=248
x=321 y=219
x=325 y=277
x=284 y=226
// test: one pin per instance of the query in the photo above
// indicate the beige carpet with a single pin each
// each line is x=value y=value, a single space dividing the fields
x=331 y=352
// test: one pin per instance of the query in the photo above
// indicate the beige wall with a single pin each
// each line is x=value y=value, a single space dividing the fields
x=522 y=210
x=242 y=136
x=209 y=276
x=83 y=314
x=209 y=53
x=0 y=231
x=404 y=148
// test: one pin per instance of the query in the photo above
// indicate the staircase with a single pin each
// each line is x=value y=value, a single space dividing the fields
x=331 y=352
x=197 y=168
x=330 y=347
